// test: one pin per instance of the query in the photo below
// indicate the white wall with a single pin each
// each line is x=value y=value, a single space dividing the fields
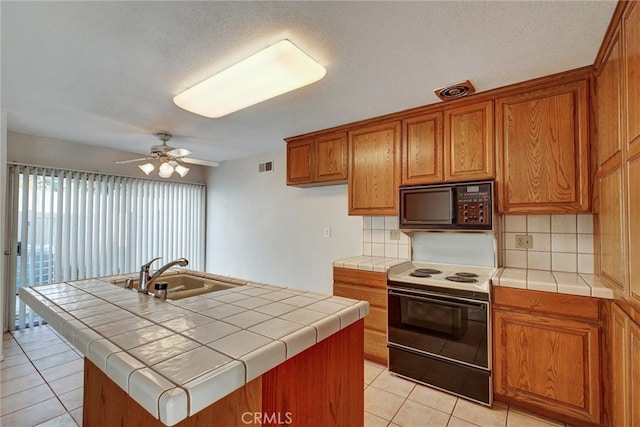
x=40 y=151
x=260 y=229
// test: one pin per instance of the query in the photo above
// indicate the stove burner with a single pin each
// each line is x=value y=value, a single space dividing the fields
x=424 y=272
x=461 y=279
x=465 y=274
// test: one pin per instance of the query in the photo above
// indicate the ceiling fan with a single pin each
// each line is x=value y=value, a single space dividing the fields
x=170 y=159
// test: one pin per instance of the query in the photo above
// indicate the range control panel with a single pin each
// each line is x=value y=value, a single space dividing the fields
x=473 y=204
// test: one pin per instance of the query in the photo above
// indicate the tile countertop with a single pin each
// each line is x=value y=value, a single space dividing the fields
x=552 y=281
x=175 y=358
x=369 y=263
x=537 y=280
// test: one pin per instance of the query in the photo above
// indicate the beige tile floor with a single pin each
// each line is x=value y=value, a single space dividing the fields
x=41 y=385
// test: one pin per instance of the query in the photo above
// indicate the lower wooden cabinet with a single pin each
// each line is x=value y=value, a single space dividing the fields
x=547 y=353
x=372 y=287
x=624 y=344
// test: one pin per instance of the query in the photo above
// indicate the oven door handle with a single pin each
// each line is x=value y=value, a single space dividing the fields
x=447 y=301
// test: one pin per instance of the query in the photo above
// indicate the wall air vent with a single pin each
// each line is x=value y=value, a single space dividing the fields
x=456 y=90
x=265 y=167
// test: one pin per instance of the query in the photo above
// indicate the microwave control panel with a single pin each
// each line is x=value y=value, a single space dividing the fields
x=473 y=204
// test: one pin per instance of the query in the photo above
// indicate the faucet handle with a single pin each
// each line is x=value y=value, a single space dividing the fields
x=147 y=265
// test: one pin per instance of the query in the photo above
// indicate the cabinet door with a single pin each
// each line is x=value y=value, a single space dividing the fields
x=631 y=34
x=609 y=100
x=619 y=365
x=612 y=254
x=548 y=363
x=633 y=228
x=331 y=157
x=543 y=155
x=634 y=373
x=469 y=142
x=422 y=149
x=300 y=161
x=374 y=169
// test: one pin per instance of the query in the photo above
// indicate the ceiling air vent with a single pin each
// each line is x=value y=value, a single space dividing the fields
x=456 y=90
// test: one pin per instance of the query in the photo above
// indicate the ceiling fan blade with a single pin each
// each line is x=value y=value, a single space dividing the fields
x=124 y=162
x=179 y=152
x=200 y=162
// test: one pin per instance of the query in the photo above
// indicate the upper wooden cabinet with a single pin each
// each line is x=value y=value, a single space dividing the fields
x=374 y=169
x=608 y=104
x=319 y=160
x=422 y=149
x=469 y=142
x=454 y=145
x=631 y=37
x=543 y=151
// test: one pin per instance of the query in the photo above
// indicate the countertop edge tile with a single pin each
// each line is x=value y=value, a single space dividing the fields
x=580 y=284
x=150 y=388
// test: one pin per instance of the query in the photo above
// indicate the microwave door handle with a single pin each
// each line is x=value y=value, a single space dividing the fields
x=480 y=306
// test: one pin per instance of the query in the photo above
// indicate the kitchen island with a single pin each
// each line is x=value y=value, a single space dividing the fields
x=248 y=355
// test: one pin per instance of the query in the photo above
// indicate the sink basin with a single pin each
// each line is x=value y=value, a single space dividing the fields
x=187 y=285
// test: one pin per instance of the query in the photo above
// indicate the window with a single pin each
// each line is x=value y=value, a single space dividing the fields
x=71 y=225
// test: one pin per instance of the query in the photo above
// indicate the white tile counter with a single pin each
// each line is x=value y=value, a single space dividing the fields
x=175 y=358
x=552 y=281
x=369 y=263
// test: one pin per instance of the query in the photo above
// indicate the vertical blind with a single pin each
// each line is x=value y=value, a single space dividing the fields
x=73 y=225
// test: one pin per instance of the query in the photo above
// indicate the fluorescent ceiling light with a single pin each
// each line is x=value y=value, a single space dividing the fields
x=280 y=68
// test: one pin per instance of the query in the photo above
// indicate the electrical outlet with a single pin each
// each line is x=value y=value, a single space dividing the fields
x=394 y=234
x=524 y=241
x=327 y=232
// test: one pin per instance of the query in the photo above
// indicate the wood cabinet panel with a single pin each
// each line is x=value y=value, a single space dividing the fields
x=300 y=162
x=372 y=287
x=634 y=373
x=375 y=347
x=422 y=149
x=376 y=320
x=631 y=35
x=331 y=157
x=469 y=142
x=543 y=155
x=611 y=235
x=619 y=365
x=633 y=228
x=374 y=169
x=609 y=101
x=548 y=363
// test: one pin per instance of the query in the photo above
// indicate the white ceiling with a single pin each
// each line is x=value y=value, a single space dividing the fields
x=105 y=73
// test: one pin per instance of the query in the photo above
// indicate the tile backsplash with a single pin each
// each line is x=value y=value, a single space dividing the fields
x=560 y=242
x=376 y=238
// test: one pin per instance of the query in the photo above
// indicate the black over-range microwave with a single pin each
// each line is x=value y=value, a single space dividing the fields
x=462 y=205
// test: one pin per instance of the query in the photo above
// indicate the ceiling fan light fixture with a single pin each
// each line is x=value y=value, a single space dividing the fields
x=277 y=69
x=165 y=170
x=182 y=171
x=147 y=168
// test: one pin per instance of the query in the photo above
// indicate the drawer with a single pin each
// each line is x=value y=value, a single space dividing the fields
x=368 y=279
x=375 y=346
x=376 y=319
x=375 y=297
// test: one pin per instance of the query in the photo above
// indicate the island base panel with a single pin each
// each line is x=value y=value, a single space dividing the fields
x=324 y=385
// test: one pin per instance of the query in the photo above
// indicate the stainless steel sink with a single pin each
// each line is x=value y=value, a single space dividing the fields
x=187 y=285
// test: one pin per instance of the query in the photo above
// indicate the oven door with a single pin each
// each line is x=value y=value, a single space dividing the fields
x=450 y=328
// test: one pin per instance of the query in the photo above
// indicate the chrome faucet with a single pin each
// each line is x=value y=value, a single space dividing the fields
x=147 y=280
